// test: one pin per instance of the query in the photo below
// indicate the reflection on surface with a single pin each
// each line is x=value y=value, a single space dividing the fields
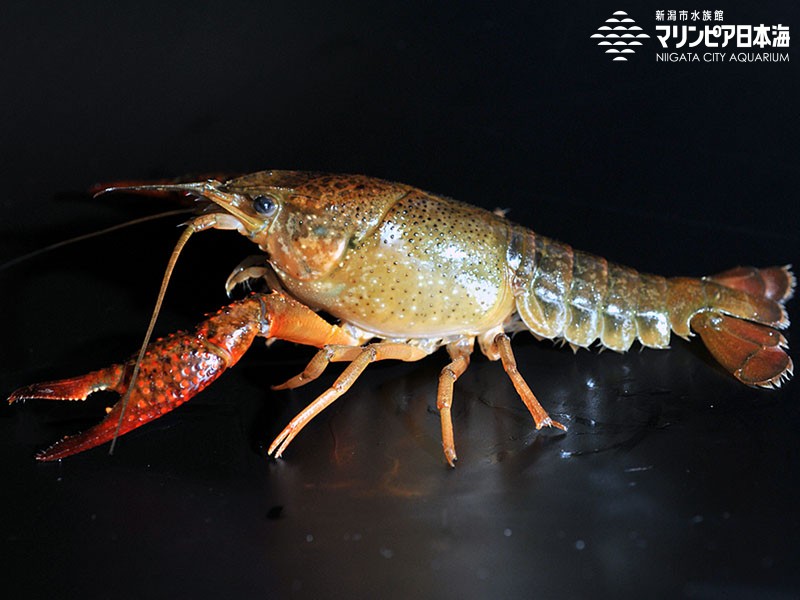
x=388 y=422
x=523 y=509
x=664 y=454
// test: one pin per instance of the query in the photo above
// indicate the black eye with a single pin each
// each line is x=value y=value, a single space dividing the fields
x=265 y=205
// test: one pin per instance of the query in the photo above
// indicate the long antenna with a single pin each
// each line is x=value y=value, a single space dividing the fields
x=200 y=223
x=87 y=236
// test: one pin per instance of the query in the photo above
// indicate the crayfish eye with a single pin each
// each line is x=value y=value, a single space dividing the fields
x=265 y=205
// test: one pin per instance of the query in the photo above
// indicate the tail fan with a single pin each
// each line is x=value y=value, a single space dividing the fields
x=772 y=283
x=755 y=354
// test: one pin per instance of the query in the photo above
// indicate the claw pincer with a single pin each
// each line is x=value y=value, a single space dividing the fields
x=175 y=368
x=181 y=365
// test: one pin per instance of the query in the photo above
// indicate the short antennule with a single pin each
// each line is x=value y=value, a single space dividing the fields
x=210 y=189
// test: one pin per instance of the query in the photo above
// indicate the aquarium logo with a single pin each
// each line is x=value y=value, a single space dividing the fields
x=620 y=36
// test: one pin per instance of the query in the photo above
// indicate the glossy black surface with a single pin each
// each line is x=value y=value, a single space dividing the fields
x=673 y=480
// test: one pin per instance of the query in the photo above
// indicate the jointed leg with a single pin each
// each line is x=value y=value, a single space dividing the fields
x=365 y=356
x=319 y=363
x=444 y=397
x=503 y=346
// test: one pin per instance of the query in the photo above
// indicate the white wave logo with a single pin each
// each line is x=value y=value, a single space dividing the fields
x=619 y=35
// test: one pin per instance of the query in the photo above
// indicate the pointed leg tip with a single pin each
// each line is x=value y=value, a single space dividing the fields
x=292 y=383
x=277 y=446
x=548 y=422
x=272 y=447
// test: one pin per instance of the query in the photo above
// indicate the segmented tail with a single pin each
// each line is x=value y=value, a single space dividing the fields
x=746 y=342
x=565 y=293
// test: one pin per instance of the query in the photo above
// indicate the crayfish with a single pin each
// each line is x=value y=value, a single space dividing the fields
x=406 y=272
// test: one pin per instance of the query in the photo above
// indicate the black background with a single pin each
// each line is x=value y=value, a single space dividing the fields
x=674 y=480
